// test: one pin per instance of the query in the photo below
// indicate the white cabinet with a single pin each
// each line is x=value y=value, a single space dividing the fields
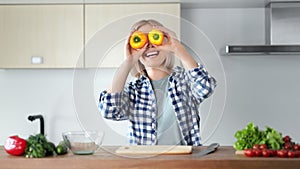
x=73 y=35
x=108 y=25
x=41 y=36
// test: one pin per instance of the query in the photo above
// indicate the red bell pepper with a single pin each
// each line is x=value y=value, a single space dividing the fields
x=15 y=145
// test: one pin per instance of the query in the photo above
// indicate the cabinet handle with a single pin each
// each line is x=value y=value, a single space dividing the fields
x=37 y=60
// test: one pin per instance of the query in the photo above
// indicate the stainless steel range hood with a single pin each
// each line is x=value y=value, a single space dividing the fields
x=282 y=31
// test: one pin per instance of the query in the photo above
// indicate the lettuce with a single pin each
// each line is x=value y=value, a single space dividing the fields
x=251 y=135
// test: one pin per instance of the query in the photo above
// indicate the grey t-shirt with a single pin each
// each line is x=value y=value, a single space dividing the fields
x=168 y=131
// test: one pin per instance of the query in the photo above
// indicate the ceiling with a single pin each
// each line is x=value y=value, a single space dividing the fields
x=228 y=3
x=204 y=3
x=184 y=3
x=222 y=3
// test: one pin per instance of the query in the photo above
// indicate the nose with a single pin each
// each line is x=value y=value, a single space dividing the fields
x=150 y=45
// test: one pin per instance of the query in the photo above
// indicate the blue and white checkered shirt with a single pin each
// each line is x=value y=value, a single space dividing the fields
x=138 y=105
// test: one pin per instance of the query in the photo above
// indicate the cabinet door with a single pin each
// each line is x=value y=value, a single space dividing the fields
x=41 y=36
x=108 y=25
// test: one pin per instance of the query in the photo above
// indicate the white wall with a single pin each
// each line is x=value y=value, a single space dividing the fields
x=262 y=89
x=25 y=92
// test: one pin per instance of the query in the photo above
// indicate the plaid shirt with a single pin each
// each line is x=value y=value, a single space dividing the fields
x=138 y=105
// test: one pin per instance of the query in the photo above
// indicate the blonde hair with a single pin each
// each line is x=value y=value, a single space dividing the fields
x=139 y=68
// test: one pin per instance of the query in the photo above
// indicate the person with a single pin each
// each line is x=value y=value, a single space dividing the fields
x=162 y=102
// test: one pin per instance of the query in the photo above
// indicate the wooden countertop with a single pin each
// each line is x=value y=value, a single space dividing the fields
x=223 y=158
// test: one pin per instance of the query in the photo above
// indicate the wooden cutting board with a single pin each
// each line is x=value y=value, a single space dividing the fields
x=157 y=149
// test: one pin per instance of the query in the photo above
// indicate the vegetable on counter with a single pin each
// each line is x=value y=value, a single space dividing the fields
x=38 y=147
x=251 y=135
x=61 y=148
x=15 y=145
x=253 y=142
x=247 y=137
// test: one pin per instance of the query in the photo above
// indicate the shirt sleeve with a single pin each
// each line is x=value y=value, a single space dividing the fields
x=114 y=105
x=203 y=84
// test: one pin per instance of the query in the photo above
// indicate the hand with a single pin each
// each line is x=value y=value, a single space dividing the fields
x=133 y=55
x=174 y=45
x=170 y=43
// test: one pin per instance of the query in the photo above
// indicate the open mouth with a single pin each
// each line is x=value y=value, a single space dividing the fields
x=151 y=54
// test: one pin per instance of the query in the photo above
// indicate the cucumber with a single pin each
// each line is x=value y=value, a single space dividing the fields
x=61 y=148
x=50 y=148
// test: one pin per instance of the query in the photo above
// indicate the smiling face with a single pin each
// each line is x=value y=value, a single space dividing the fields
x=152 y=57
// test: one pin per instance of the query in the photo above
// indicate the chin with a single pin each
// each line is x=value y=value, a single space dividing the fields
x=154 y=65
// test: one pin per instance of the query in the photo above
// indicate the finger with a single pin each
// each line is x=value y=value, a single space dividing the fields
x=128 y=50
x=137 y=53
x=129 y=35
x=166 y=31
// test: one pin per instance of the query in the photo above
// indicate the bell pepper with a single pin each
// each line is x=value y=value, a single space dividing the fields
x=138 y=39
x=15 y=145
x=156 y=37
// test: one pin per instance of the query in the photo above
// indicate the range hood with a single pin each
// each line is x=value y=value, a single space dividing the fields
x=282 y=31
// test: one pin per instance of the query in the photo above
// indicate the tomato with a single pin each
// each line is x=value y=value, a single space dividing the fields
x=255 y=147
x=291 y=154
x=249 y=153
x=258 y=153
x=137 y=40
x=273 y=153
x=296 y=147
x=156 y=37
x=263 y=146
x=282 y=153
x=286 y=139
x=288 y=145
x=259 y=146
x=266 y=153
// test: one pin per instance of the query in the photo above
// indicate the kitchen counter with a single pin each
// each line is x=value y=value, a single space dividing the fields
x=105 y=157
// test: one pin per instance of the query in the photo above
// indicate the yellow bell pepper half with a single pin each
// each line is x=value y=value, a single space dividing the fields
x=138 y=39
x=156 y=37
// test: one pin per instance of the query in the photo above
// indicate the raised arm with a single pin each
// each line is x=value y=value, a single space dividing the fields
x=174 y=45
x=131 y=58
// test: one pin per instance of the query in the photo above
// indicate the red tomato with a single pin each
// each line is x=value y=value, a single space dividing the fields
x=258 y=153
x=266 y=153
x=291 y=154
x=296 y=147
x=249 y=153
x=273 y=153
x=282 y=153
x=263 y=146
x=286 y=139
x=255 y=146
x=288 y=145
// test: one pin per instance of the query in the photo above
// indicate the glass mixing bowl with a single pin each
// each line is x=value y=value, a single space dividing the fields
x=83 y=142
